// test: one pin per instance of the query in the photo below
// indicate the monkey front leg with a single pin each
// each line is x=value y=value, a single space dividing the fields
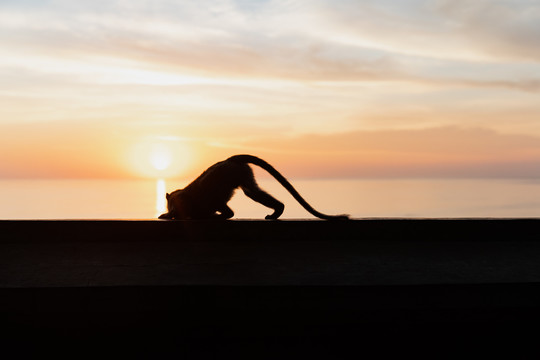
x=225 y=213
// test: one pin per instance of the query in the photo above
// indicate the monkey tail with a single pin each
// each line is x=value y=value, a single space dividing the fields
x=250 y=159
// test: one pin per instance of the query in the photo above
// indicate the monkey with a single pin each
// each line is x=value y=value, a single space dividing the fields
x=207 y=196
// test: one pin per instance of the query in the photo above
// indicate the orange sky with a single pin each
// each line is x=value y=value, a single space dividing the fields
x=318 y=88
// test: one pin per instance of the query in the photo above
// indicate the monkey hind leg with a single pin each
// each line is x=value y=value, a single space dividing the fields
x=255 y=193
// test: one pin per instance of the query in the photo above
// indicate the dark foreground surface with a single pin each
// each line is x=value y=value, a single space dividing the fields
x=313 y=287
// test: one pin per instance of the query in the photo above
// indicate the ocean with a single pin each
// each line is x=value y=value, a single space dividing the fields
x=360 y=198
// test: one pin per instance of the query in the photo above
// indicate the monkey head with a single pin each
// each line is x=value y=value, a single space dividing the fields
x=176 y=206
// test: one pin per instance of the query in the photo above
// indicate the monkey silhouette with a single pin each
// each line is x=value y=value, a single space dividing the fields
x=207 y=196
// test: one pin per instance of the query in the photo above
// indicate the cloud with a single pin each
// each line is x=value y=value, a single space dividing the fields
x=529 y=85
x=299 y=41
x=503 y=29
x=446 y=29
x=433 y=152
x=187 y=48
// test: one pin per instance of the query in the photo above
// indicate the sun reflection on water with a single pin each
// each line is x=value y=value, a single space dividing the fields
x=161 y=201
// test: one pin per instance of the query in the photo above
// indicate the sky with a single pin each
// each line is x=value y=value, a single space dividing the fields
x=319 y=88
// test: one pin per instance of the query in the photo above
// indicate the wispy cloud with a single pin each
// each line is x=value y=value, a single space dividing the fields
x=319 y=40
x=505 y=29
x=435 y=152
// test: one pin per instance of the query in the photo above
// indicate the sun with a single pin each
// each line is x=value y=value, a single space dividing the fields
x=159 y=157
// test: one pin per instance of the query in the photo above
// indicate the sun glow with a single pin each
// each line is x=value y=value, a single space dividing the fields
x=160 y=157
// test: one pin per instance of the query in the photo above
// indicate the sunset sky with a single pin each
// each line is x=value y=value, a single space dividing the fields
x=319 y=88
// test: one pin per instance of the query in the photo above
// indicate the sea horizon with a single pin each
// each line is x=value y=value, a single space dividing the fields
x=359 y=197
